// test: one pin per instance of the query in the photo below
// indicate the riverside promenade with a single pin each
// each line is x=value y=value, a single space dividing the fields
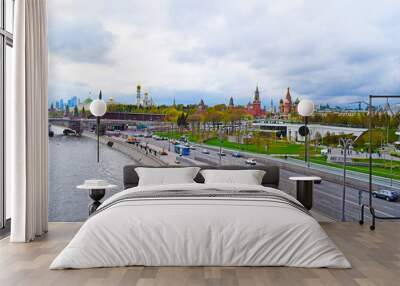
x=146 y=154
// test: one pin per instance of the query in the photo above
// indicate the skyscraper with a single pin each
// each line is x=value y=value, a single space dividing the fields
x=73 y=101
x=272 y=107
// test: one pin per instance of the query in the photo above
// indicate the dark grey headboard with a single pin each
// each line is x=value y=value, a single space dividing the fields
x=271 y=178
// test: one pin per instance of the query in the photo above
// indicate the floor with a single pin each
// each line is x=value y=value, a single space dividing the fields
x=375 y=256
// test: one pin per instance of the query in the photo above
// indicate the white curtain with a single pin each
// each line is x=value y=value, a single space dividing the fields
x=28 y=123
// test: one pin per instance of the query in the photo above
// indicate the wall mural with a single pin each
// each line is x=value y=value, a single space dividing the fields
x=190 y=82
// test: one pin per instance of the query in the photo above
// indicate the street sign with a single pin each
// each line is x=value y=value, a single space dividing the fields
x=303 y=130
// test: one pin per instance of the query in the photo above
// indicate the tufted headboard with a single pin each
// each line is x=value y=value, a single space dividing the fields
x=271 y=177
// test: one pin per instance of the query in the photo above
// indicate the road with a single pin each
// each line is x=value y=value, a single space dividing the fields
x=327 y=195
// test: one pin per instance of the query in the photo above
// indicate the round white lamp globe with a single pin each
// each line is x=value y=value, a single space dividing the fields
x=98 y=107
x=305 y=107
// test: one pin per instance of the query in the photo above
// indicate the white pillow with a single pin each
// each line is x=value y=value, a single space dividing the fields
x=248 y=177
x=166 y=176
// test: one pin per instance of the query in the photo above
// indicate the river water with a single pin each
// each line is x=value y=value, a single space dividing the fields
x=73 y=160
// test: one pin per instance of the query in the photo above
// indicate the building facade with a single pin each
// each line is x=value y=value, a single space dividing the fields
x=291 y=130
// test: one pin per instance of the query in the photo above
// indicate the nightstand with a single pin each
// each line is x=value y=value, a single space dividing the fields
x=97 y=190
x=305 y=189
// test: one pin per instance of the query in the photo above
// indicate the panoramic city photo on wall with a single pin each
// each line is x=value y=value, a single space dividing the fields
x=199 y=142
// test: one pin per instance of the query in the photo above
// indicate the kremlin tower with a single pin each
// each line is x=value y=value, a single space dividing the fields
x=255 y=107
x=287 y=102
x=201 y=106
x=231 y=104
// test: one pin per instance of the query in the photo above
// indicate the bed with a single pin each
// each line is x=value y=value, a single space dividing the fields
x=201 y=224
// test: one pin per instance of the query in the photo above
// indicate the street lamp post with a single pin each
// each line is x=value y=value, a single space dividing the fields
x=305 y=108
x=346 y=143
x=220 y=146
x=98 y=108
x=169 y=139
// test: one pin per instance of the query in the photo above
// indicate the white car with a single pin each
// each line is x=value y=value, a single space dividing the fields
x=205 y=151
x=251 y=161
x=192 y=147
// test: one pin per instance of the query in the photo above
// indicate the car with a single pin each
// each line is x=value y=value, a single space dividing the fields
x=205 y=151
x=222 y=153
x=192 y=147
x=132 y=140
x=186 y=145
x=251 y=161
x=317 y=182
x=236 y=155
x=388 y=195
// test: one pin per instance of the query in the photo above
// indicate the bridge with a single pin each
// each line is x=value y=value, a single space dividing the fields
x=110 y=121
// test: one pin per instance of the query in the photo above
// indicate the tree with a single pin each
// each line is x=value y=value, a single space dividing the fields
x=83 y=111
x=194 y=119
x=76 y=111
x=181 y=121
x=214 y=116
x=260 y=142
x=317 y=138
x=171 y=114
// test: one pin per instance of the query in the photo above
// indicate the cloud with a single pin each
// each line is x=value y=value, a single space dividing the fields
x=85 y=42
x=333 y=51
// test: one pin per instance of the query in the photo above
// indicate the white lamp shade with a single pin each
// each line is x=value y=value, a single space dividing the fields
x=98 y=107
x=305 y=107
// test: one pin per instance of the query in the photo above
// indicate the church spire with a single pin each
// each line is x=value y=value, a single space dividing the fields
x=257 y=94
x=231 y=102
x=138 y=96
x=288 y=96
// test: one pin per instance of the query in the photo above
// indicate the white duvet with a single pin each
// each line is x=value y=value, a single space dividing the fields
x=193 y=231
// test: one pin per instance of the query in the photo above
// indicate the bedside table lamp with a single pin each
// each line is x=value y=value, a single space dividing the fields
x=98 y=108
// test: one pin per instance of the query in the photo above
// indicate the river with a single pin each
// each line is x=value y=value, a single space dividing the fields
x=73 y=160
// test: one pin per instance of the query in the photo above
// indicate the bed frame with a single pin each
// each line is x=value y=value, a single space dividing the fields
x=271 y=177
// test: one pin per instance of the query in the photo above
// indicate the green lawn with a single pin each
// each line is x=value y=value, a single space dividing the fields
x=376 y=170
x=176 y=135
x=278 y=147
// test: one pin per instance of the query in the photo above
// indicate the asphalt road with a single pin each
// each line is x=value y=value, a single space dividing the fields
x=327 y=195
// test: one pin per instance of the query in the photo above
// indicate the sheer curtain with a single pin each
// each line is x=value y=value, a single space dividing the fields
x=28 y=123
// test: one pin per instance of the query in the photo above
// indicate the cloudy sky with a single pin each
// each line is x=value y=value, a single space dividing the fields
x=329 y=51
